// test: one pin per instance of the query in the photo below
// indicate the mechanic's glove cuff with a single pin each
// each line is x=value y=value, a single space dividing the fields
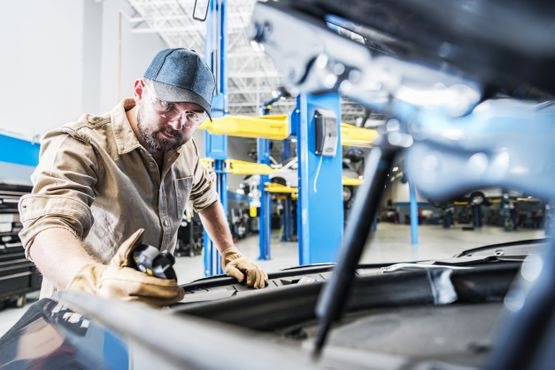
x=230 y=254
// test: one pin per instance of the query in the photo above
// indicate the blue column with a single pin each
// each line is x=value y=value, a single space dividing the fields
x=287 y=216
x=413 y=216
x=287 y=220
x=294 y=120
x=286 y=150
x=216 y=145
x=320 y=200
x=265 y=215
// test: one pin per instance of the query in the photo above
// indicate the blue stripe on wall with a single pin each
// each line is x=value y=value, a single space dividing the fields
x=18 y=151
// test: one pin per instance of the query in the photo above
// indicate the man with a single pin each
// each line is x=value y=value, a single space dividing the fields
x=106 y=183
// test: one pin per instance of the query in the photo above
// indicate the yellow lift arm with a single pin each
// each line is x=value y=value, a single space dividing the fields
x=272 y=187
x=238 y=167
x=207 y=163
x=357 y=136
x=352 y=181
x=274 y=127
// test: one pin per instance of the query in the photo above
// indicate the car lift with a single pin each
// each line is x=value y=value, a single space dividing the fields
x=278 y=127
x=320 y=202
x=216 y=145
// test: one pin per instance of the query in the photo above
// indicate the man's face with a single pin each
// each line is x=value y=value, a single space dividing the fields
x=164 y=126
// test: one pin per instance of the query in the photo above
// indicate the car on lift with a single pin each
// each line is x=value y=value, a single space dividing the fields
x=287 y=175
x=486 y=197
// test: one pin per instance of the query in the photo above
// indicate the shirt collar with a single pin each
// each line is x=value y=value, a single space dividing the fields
x=126 y=140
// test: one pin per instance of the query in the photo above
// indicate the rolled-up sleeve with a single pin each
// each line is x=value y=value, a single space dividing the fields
x=63 y=188
x=203 y=191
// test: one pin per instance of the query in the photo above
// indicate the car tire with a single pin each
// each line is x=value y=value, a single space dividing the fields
x=279 y=180
x=477 y=198
x=347 y=194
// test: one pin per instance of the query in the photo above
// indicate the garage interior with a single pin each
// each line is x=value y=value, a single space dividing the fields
x=287 y=202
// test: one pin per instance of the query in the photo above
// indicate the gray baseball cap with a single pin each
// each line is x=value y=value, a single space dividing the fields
x=181 y=76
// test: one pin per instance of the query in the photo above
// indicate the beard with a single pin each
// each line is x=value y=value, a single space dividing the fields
x=159 y=141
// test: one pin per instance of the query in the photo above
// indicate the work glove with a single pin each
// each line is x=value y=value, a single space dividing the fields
x=118 y=280
x=241 y=268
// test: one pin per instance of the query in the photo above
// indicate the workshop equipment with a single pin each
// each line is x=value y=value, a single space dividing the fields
x=19 y=276
x=150 y=260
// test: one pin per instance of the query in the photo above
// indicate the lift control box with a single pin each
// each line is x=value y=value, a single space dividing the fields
x=327 y=132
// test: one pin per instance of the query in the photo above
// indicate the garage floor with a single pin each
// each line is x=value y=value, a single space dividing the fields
x=391 y=243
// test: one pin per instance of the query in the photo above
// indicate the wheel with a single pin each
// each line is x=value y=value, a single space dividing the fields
x=477 y=198
x=347 y=194
x=279 y=180
x=21 y=301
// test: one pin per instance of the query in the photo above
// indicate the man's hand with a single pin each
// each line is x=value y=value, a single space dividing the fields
x=234 y=264
x=239 y=267
x=117 y=280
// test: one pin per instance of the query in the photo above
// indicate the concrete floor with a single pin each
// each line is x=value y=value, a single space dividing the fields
x=391 y=243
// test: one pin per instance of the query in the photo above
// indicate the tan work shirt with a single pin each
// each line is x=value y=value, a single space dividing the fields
x=96 y=180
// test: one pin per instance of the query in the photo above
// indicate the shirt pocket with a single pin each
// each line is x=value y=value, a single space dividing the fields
x=182 y=190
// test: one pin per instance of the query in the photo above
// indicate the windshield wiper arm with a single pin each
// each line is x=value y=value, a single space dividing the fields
x=420 y=266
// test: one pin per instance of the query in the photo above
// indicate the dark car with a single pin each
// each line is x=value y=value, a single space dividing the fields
x=468 y=91
x=410 y=315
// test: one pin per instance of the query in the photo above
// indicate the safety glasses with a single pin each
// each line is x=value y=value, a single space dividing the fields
x=171 y=111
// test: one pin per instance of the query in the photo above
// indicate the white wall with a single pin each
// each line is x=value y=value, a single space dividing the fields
x=41 y=63
x=61 y=58
x=132 y=51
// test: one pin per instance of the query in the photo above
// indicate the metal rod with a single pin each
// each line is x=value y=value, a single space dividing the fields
x=413 y=217
x=529 y=311
x=334 y=296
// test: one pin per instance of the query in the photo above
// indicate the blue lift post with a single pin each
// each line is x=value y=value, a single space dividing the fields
x=264 y=229
x=287 y=216
x=216 y=145
x=265 y=215
x=320 y=202
x=413 y=218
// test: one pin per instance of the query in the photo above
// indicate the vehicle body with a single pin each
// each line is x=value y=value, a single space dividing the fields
x=487 y=197
x=400 y=316
x=469 y=91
